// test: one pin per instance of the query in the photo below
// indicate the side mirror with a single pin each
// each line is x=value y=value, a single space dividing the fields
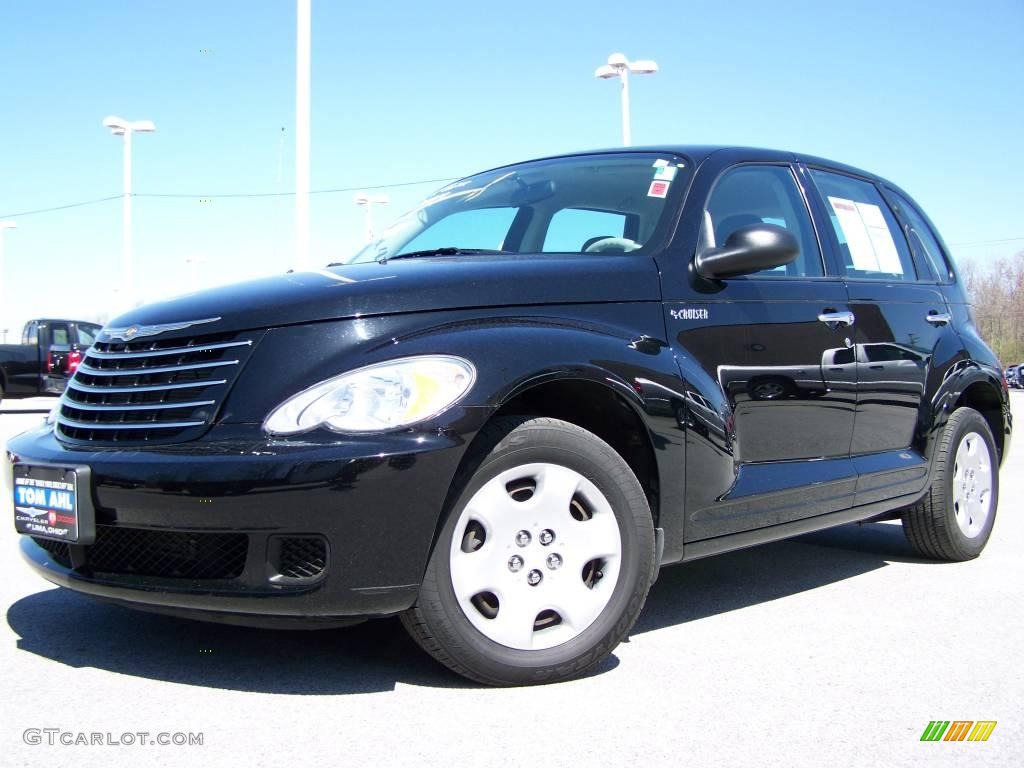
x=747 y=250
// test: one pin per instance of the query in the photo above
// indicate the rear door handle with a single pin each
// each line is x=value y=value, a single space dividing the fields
x=834 y=319
x=938 y=318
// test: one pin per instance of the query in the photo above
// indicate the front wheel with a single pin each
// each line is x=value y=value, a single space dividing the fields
x=544 y=562
x=954 y=520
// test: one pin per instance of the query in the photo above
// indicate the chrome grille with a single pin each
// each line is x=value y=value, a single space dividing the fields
x=150 y=390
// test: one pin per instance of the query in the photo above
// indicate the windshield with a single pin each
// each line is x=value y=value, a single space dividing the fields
x=613 y=203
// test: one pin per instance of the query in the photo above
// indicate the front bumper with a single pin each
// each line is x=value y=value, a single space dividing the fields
x=199 y=529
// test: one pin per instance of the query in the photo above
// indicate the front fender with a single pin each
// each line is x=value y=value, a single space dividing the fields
x=514 y=350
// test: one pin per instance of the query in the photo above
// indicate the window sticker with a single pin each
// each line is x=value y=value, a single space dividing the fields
x=872 y=248
x=658 y=188
x=666 y=172
x=660 y=163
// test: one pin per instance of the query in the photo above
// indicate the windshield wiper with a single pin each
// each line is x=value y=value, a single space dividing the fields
x=448 y=250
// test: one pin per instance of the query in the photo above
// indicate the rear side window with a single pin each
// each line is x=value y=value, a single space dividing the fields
x=762 y=194
x=59 y=334
x=870 y=241
x=574 y=230
x=922 y=239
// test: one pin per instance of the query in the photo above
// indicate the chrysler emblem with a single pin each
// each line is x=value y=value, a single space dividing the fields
x=132 y=331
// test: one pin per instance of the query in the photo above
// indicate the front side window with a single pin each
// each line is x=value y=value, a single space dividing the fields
x=574 y=229
x=762 y=194
x=608 y=203
x=871 y=244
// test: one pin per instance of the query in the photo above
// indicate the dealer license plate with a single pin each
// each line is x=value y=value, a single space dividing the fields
x=47 y=503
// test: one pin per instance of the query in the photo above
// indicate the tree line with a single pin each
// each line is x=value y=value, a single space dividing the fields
x=996 y=291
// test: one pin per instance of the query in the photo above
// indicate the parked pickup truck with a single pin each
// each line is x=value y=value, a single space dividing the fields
x=49 y=352
x=500 y=419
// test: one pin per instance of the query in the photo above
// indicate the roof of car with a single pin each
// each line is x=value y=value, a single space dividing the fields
x=698 y=153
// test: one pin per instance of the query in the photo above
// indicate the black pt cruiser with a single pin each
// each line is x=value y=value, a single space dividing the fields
x=500 y=419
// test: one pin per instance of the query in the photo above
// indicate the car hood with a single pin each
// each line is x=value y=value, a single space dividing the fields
x=405 y=285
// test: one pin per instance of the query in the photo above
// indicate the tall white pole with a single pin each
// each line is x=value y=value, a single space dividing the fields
x=369 y=222
x=125 y=129
x=621 y=67
x=127 y=264
x=302 y=69
x=624 y=76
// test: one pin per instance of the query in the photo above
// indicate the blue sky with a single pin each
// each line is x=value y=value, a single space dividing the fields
x=929 y=95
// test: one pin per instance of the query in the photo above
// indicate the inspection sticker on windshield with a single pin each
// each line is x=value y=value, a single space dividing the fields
x=660 y=162
x=658 y=188
x=666 y=172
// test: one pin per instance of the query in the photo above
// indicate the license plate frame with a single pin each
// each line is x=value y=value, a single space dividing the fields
x=54 y=502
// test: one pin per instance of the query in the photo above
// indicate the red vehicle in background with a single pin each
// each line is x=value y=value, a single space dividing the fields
x=49 y=352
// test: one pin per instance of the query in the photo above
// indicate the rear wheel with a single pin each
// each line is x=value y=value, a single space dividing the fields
x=544 y=562
x=771 y=388
x=954 y=520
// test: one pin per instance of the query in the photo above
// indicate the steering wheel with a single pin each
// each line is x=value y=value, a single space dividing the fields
x=623 y=244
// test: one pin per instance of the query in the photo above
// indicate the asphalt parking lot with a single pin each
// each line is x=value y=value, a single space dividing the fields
x=836 y=648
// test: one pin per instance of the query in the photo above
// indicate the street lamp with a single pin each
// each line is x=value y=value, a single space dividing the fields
x=619 y=66
x=4 y=225
x=125 y=128
x=303 y=32
x=369 y=201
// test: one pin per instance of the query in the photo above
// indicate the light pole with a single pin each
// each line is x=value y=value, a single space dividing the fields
x=303 y=26
x=4 y=225
x=369 y=201
x=125 y=128
x=619 y=66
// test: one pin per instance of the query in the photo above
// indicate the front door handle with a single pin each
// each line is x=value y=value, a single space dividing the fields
x=834 y=319
x=938 y=318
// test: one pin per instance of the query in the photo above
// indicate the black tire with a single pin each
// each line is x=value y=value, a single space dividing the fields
x=437 y=621
x=930 y=525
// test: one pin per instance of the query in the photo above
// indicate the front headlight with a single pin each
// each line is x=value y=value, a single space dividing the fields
x=377 y=398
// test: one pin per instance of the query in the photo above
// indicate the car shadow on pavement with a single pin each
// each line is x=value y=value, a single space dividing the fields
x=728 y=582
x=71 y=629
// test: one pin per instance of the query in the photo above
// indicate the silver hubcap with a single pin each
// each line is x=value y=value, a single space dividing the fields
x=544 y=588
x=972 y=485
